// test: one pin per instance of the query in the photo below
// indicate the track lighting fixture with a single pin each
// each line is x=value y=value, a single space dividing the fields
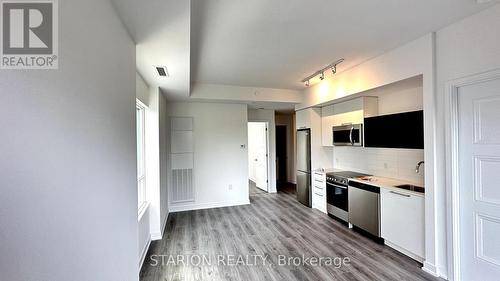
x=321 y=72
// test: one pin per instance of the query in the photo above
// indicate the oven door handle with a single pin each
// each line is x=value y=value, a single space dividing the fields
x=336 y=186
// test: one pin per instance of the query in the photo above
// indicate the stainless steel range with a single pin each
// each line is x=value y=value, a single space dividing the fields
x=337 y=196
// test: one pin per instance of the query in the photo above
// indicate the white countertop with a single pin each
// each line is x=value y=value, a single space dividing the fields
x=389 y=183
x=326 y=170
x=382 y=182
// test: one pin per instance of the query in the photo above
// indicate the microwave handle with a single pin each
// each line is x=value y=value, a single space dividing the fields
x=350 y=135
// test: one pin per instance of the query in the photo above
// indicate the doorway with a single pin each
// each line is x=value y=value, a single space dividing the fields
x=281 y=155
x=474 y=157
x=258 y=156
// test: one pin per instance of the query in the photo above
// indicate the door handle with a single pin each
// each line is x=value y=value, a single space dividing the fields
x=400 y=194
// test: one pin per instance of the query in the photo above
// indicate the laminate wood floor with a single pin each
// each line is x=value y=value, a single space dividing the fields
x=200 y=245
x=254 y=190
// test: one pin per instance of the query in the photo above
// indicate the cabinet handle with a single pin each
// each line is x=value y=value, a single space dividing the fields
x=350 y=136
x=321 y=195
x=400 y=194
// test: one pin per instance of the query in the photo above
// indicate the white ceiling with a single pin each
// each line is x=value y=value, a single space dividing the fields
x=272 y=43
x=277 y=43
x=161 y=30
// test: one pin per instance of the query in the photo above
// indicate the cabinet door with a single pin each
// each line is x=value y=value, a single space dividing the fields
x=326 y=130
x=319 y=191
x=303 y=119
x=352 y=117
x=403 y=220
x=319 y=183
x=327 y=118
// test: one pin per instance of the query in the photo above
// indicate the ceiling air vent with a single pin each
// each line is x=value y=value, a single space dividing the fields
x=162 y=71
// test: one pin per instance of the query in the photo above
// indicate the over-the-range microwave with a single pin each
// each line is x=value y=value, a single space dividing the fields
x=348 y=135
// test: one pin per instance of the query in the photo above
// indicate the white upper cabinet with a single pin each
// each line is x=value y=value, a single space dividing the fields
x=303 y=119
x=349 y=112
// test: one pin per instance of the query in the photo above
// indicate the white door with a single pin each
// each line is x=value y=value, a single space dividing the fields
x=251 y=152
x=479 y=192
x=258 y=153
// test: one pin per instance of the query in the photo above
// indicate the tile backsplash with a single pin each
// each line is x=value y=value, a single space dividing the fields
x=384 y=162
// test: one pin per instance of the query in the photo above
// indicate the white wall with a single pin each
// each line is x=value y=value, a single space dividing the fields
x=164 y=135
x=384 y=162
x=144 y=237
x=141 y=89
x=465 y=48
x=223 y=93
x=153 y=221
x=287 y=120
x=219 y=159
x=68 y=195
x=142 y=93
x=266 y=115
x=156 y=162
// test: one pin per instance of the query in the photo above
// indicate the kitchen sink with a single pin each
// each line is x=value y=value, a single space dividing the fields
x=411 y=187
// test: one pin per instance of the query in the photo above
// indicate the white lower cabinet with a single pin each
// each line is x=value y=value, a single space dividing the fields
x=318 y=192
x=403 y=222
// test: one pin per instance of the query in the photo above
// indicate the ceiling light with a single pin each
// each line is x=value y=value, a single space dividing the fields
x=307 y=83
x=322 y=76
x=334 y=69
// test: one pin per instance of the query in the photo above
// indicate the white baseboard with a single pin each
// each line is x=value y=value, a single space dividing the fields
x=405 y=252
x=159 y=234
x=143 y=254
x=430 y=268
x=443 y=273
x=191 y=207
x=156 y=236
x=164 y=224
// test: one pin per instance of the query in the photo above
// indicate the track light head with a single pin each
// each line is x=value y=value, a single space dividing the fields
x=322 y=76
x=307 y=83
x=334 y=69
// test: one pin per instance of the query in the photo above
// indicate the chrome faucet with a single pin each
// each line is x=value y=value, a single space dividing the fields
x=417 y=168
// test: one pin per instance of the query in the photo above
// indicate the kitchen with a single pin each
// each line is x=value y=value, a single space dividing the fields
x=365 y=167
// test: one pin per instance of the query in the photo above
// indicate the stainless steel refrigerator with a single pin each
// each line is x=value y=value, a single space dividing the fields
x=304 y=166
